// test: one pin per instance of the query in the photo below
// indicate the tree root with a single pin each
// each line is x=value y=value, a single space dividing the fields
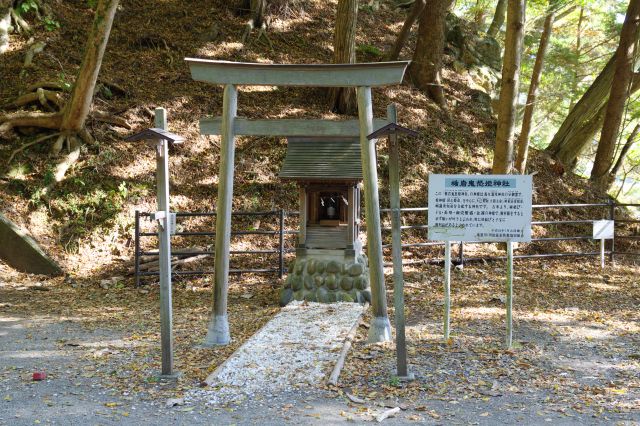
x=40 y=95
x=47 y=85
x=262 y=33
x=35 y=48
x=51 y=120
x=21 y=24
x=27 y=145
x=105 y=117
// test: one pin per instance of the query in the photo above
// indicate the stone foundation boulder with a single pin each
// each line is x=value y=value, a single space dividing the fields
x=327 y=281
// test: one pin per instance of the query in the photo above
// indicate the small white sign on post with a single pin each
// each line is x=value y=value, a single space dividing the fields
x=603 y=230
x=479 y=208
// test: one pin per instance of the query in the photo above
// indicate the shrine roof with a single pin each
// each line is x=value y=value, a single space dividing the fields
x=322 y=159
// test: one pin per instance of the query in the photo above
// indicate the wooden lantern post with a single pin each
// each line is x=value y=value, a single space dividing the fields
x=391 y=130
x=166 y=225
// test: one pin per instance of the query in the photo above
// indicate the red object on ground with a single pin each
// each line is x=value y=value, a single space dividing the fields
x=39 y=375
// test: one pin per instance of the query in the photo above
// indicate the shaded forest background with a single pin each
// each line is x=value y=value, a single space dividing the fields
x=452 y=96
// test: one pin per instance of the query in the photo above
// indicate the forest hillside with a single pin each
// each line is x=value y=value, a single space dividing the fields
x=86 y=220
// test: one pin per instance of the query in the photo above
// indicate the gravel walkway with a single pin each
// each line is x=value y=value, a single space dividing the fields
x=296 y=349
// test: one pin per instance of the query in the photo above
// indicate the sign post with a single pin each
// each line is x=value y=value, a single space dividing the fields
x=479 y=208
x=447 y=288
x=603 y=230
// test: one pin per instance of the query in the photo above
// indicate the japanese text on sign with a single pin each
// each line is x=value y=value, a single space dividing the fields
x=479 y=208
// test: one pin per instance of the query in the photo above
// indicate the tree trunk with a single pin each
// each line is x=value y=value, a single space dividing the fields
x=426 y=64
x=342 y=99
x=523 y=141
x=258 y=9
x=5 y=23
x=498 y=18
x=581 y=135
x=503 y=156
x=76 y=111
x=416 y=10
x=576 y=62
x=624 y=66
x=623 y=154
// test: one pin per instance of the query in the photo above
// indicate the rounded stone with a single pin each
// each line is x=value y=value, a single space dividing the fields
x=318 y=279
x=333 y=267
x=345 y=297
x=299 y=266
x=310 y=296
x=296 y=282
x=287 y=283
x=298 y=295
x=320 y=266
x=356 y=269
x=367 y=295
x=308 y=282
x=332 y=297
x=332 y=282
x=311 y=266
x=360 y=283
x=322 y=295
x=286 y=295
x=346 y=283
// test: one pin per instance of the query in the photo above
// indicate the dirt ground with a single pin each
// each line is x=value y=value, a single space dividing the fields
x=576 y=358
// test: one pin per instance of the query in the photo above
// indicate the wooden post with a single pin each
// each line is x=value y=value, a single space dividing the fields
x=218 y=330
x=164 y=238
x=509 y=293
x=351 y=212
x=447 y=288
x=281 y=245
x=302 y=234
x=380 y=329
x=396 y=247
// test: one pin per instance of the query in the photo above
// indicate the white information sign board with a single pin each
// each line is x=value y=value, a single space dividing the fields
x=602 y=229
x=480 y=208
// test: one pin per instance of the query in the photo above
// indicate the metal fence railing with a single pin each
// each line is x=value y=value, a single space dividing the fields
x=574 y=228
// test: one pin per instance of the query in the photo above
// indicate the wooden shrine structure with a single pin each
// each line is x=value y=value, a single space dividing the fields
x=362 y=76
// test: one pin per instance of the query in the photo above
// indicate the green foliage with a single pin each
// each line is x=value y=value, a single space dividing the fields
x=50 y=24
x=368 y=49
x=26 y=6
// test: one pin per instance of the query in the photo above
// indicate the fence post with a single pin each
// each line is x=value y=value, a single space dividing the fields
x=461 y=254
x=136 y=256
x=281 y=251
x=612 y=216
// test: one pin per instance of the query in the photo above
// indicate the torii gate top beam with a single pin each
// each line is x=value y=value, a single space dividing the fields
x=314 y=75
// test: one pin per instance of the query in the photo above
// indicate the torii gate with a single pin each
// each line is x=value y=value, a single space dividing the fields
x=362 y=76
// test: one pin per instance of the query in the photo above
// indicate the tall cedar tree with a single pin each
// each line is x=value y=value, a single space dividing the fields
x=503 y=155
x=414 y=13
x=523 y=141
x=426 y=63
x=342 y=99
x=624 y=62
x=498 y=18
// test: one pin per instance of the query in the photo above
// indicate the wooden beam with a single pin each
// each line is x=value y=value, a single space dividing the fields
x=312 y=75
x=288 y=127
